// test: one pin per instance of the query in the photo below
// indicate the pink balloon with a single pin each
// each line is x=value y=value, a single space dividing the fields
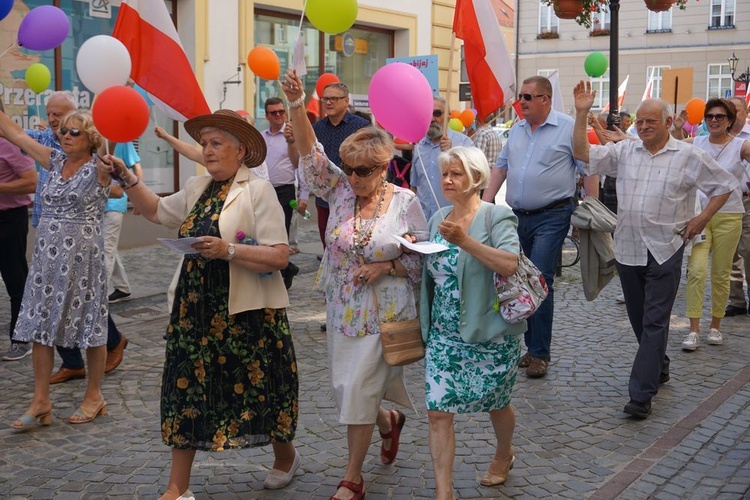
x=401 y=100
x=690 y=129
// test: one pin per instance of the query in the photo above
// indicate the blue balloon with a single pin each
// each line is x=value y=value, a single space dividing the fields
x=143 y=93
x=5 y=7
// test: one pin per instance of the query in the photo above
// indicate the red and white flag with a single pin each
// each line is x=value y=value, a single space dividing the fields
x=488 y=62
x=620 y=94
x=649 y=88
x=159 y=63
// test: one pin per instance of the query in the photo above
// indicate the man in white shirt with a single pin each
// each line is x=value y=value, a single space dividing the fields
x=657 y=179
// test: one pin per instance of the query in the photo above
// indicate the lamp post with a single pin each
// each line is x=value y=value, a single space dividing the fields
x=613 y=118
x=744 y=77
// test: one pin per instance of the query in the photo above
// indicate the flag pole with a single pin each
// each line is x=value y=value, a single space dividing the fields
x=450 y=79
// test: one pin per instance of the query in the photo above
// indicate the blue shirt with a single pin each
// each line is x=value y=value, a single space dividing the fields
x=540 y=164
x=47 y=138
x=331 y=136
x=424 y=161
x=126 y=152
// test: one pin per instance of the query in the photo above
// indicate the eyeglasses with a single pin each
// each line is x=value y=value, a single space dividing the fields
x=529 y=97
x=279 y=112
x=333 y=99
x=74 y=132
x=437 y=113
x=359 y=171
x=718 y=116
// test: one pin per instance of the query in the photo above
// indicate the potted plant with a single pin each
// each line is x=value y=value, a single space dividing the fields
x=548 y=35
x=664 y=5
x=580 y=10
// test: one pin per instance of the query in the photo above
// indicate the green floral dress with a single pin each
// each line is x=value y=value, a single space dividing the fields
x=230 y=381
x=462 y=377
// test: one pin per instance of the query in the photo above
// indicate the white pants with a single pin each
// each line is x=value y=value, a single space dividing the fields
x=116 y=275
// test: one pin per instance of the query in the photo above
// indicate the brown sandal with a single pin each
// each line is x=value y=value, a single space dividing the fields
x=397 y=423
x=357 y=489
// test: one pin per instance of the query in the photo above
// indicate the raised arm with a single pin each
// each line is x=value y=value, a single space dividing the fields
x=18 y=136
x=304 y=135
x=143 y=199
x=190 y=151
x=584 y=99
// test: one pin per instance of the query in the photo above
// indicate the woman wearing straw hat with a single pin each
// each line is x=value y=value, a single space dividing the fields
x=230 y=375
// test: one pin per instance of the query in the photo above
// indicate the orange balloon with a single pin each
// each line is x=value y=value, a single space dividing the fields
x=467 y=117
x=455 y=114
x=264 y=63
x=695 y=108
x=325 y=80
x=593 y=138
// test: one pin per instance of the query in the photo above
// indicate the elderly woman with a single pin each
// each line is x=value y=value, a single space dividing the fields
x=361 y=259
x=65 y=299
x=472 y=352
x=722 y=233
x=230 y=375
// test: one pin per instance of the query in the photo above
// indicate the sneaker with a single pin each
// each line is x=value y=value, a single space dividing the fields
x=17 y=351
x=119 y=296
x=691 y=342
x=714 y=337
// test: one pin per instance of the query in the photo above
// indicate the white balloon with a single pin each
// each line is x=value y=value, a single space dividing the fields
x=103 y=62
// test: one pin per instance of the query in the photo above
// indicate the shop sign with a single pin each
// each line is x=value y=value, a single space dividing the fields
x=427 y=65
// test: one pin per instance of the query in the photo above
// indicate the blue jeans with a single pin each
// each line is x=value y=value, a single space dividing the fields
x=542 y=236
x=71 y=356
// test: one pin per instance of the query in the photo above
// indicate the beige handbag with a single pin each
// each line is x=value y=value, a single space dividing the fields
x=401 y=340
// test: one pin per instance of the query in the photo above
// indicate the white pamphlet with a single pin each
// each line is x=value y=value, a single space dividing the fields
x=424 y=247
x=180 y=245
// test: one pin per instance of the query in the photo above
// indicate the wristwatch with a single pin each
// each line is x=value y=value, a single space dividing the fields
x=231 y=250
x=392 y=272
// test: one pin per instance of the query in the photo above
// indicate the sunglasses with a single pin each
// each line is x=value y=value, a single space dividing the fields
x=280 y=112
x=359 y=171
x=718 y=116
x=437 y=113
x=74 y=132
x=333 y=99
x=529 y=97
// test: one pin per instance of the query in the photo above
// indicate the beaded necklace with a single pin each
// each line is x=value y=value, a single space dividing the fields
x=362 y=234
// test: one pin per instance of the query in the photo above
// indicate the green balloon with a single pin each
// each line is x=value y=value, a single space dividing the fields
x=38 y=77
x=596 y=64
x=332 y=16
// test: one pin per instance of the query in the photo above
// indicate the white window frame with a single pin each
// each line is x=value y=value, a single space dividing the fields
x=726 y=16
x=601 y=85
x=601 y=20
x=545 y=72
x=724 y=78
x=657 y=72
x=548 y=21
x=659 y=22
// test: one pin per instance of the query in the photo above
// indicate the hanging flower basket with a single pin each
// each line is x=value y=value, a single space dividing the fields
x=568 y=9
x=659 y=5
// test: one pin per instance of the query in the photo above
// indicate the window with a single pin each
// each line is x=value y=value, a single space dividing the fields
x=653 y=75
x=722 y=14
x=545 y=72
x=548 y=21
x=659 y=22
x=719 y=81
x=601 y=85
x=600 y=22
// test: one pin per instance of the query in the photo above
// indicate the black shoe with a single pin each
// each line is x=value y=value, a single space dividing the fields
x=638 y=410
x=289 y=273
x=664 y=378
x=119 y=296
x=735 y=311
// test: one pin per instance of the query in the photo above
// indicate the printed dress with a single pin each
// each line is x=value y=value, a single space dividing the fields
x=230 y=381
x=65 y=299
x=461 y=377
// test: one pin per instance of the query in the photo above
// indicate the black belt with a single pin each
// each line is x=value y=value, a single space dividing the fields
x=555 y=204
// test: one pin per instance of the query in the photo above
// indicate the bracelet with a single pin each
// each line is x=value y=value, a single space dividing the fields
x=392 y=272
x=137 y=181
x=299 y=102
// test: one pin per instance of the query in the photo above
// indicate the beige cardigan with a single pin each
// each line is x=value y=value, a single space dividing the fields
x=252 y=207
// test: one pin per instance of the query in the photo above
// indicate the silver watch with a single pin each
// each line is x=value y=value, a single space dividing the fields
x=231 y=250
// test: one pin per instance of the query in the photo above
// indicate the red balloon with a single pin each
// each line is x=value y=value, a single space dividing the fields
x=242 y=113
x=323 y=81
x=120 y=114
x=593 y=138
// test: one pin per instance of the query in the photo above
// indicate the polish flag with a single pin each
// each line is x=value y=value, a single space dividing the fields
x=557 y=100
x=649 y=88
x=620 y=94
x=488 y=62
x=160 y=65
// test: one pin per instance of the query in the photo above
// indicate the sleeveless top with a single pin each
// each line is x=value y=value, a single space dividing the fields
x=728 y=156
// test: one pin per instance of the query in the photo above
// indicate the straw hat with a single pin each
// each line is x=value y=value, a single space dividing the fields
x=232 y=123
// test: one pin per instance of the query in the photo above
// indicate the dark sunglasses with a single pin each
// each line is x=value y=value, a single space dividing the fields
x=359 y=171
x=74 y=132
x=279 y=112
x=718 y=116
x=437 y=113
x=528 y=97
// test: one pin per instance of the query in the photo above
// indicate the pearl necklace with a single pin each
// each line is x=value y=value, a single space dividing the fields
x=361 y=236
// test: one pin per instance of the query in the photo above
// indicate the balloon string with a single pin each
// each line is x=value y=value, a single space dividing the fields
x=429 y=184
x=38 y=113
x=302 y=17
x=11 y=46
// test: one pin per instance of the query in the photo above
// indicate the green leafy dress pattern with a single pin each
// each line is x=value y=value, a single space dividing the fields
x=230 y=381
x=461 y=377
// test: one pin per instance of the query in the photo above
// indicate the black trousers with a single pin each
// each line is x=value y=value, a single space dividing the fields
x=14 y=228
x=286 y=194
x=650 y=292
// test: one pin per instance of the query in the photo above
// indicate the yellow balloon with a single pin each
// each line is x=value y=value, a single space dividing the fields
x=38 y=77
x=332 y=16
x=455 y=124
